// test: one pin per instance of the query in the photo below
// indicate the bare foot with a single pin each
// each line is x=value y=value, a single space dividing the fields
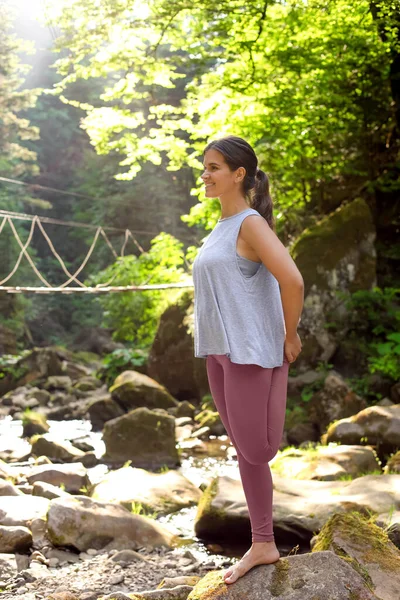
x=260 y=553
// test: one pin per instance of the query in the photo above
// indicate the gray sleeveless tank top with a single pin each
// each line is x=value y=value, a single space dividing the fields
x=236 y=314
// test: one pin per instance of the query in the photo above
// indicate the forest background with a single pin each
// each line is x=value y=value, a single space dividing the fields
x=116 y=107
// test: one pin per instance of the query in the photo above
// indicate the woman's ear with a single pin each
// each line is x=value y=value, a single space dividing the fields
x=240 y=174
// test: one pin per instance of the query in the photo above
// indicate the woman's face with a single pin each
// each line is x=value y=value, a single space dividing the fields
x=217 y=177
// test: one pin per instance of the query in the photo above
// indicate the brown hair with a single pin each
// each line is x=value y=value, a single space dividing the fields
x=238 y=153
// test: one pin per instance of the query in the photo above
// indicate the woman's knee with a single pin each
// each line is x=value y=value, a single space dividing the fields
x=258 y=456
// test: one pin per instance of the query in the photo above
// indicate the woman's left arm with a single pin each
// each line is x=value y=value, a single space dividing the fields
x=257 y=233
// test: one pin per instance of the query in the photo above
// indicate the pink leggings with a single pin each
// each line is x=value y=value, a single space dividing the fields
x=251 y=402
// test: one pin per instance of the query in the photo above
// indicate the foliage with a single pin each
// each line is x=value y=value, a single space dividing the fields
x=374 y=324
x=307 y=83
x=7 y=365
x=121 y=359
x=133 y=316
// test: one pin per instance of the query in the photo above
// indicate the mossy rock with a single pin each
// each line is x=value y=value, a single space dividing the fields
x=319 y=250
x=335 y=255
x=34 y=423
x=143 y=436
x=132 y=389
x=366 y=547
x=213 y=523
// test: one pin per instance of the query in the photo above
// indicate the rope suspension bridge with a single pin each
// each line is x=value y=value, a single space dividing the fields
x=72 y=278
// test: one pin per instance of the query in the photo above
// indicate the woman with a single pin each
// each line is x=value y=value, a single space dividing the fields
x=248 y=302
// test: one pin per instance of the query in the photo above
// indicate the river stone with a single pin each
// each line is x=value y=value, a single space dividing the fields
x=326 y=463
x=316 y=576
x=58 y=382
x=20 y=510
x=84 y=523
x=377 y=425
x=159 y=492
x=185 y=409
x=145 y=437
x=103 y=409
x=46 y=490
x=87 y=384
x=62 y=451
x=171 y=358
x=132 y=389
x=8 y=489
x=334 y=401
x=34 y=423
x=301 y=507
x=14 y=539
x=72 y=476
x=368 y=548
x=8 y=566
x=336 y=254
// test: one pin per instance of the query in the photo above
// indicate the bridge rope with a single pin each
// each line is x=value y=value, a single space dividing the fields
x=8 y=217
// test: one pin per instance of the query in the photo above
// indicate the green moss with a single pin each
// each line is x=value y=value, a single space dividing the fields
x=211 y=587
x=330 y=240
x=280 y=577
x=368 y=539
x=205 y=503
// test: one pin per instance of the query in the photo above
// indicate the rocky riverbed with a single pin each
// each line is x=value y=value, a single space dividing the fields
x=125 y=492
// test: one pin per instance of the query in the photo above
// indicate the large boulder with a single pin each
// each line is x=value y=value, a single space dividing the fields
x=301 y=507
x=171 y=359
x=145 y=437
x=376 y=425
x=334 y=401
x=367 y=548
x=326 y=463
x=84 y=523
x=299 y=577
x=335 y=255
x=159 y=492
x=132 y=389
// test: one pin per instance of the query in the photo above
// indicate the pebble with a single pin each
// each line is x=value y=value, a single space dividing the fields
x=116 y=579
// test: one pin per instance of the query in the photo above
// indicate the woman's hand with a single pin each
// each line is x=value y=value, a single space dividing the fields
x=292 y=348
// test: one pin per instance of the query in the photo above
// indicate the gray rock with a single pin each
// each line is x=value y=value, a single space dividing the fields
x=300 y=577
x=62 y=451
x=84 y=523
x=334 y=401
x=376 y=425
x=46 y=490
x=8 y=489
x=73 y=476
x=159 y=492
x=103 y=409
x=326 y=463
x=127 y=556
x=21 y=510
x=8 y=565
x=300 y=507
x=14 y=539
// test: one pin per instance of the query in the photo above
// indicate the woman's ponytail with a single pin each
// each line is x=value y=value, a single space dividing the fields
x=261 y=199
